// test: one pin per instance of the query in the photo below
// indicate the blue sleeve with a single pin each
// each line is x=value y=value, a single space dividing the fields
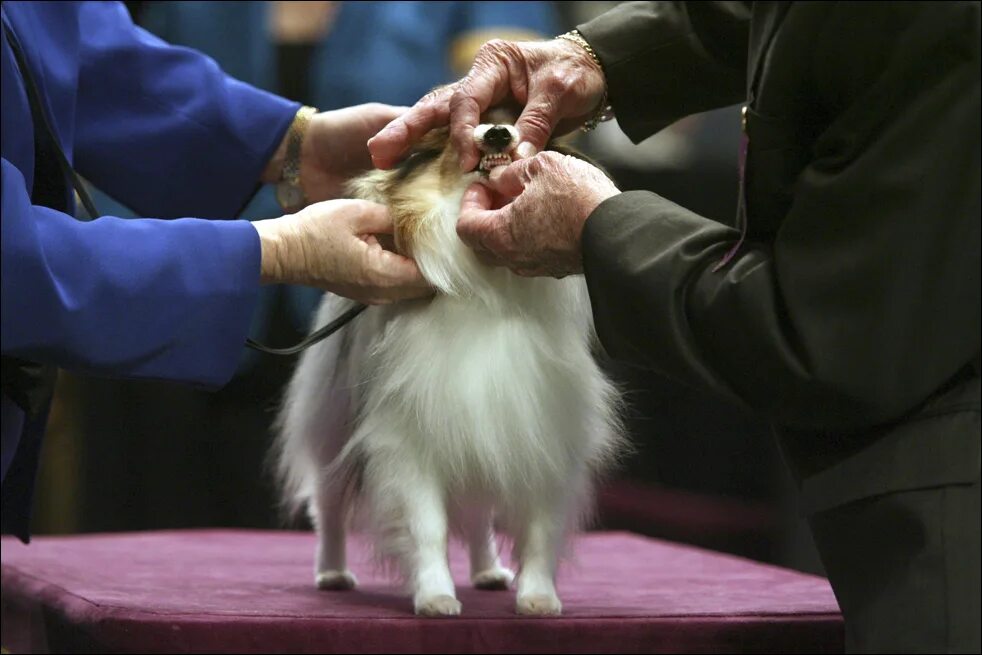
x=161 y=128
x=140 y=298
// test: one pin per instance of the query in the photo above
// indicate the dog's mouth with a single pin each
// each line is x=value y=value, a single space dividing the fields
x=491 y=160
x=497 y=142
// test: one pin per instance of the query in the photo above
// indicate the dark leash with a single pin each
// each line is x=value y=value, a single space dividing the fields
x=313 y=337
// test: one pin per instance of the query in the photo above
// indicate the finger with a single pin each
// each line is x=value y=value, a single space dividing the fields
x=495 y=73
x=475 y=213
x=540 y=115
x=399 y=270
x=388 y=146
x=477 y=198
x=465 y=115
x=485 y=84
x=511 y=180
x=485 y=230
x=388 y=112
x=377 y=115
x=400 y=278
x=371 y=218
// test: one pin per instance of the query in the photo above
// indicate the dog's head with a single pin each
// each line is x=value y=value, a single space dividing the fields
x=423 y=194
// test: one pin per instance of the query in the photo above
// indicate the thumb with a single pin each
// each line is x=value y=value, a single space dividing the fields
x=510 y=180
x=475 y=214
x=477 y=198
x=372 y=218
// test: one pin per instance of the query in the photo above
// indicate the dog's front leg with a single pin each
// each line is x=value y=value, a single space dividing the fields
x=411 y=508
x=539 y=549
x=433 y=594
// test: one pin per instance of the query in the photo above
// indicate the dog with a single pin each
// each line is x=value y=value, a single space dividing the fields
x=478 y=409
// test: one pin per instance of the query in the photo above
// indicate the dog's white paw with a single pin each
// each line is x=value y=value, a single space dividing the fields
x=336 y=580
x=539 y=605
x=495 y=578
x=442 y=605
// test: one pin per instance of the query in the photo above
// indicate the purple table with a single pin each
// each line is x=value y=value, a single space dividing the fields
x=247 y=591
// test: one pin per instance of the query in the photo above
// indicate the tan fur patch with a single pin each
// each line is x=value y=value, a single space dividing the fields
x=413 y=188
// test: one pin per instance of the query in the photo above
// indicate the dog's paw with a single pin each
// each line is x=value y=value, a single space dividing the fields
x=495 y=578
x=336 y=580
x=539 y=605
x=438 y=606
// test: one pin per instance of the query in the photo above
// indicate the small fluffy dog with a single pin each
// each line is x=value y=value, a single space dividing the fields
x=477 y=409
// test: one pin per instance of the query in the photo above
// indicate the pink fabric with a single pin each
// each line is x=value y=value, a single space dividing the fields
x=252 y=591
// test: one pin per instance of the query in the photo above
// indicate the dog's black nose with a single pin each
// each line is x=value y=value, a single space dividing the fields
x=497 y=137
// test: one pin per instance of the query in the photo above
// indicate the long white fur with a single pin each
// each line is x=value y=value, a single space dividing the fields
x=440 y=416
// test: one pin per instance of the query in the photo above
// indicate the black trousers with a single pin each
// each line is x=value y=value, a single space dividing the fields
x=905 y=569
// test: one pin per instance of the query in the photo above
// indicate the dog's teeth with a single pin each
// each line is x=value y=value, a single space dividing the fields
x=491 y=160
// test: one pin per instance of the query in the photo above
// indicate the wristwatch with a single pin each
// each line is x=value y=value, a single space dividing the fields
x=289 y=193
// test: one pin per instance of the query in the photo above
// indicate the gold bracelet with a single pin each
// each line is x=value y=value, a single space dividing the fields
x=604 y=111
x=289 y=193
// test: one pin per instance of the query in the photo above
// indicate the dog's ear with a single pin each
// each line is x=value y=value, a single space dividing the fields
x=560 y=146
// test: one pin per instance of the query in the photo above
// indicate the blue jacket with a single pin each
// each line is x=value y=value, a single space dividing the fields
x=392 y=52
x=163 y=129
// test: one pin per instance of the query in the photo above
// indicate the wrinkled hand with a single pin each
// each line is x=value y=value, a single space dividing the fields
x=335 y=245
x=333 y=149
x=540 y=231
x=556 y=82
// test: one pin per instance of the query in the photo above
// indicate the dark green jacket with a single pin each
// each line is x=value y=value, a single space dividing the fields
x=850 y=315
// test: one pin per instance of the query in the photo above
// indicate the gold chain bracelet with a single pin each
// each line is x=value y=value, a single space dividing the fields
x=604 y=111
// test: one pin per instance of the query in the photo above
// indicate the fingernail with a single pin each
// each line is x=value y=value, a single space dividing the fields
x=525 y=150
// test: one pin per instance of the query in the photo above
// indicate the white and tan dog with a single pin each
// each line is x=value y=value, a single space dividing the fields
x=477 y=409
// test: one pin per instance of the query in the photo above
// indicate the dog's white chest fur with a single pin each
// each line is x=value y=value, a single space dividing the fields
x=484 y=398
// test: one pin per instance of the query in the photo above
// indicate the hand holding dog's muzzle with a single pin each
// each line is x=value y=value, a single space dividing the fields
x=557 y=84
x=529 y=215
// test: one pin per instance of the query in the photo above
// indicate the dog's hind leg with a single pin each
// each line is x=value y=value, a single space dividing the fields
x=487 y=571
x=329 y=513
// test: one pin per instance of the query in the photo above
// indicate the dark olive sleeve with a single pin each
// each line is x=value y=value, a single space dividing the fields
x=866 y=299
x=665 y=60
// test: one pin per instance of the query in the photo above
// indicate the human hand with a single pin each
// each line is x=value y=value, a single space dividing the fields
x=334 y=245
x=557 y=82
x=540 y=231
x=333 y=149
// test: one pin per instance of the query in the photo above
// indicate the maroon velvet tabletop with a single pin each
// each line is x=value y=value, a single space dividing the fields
x=242 y=591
